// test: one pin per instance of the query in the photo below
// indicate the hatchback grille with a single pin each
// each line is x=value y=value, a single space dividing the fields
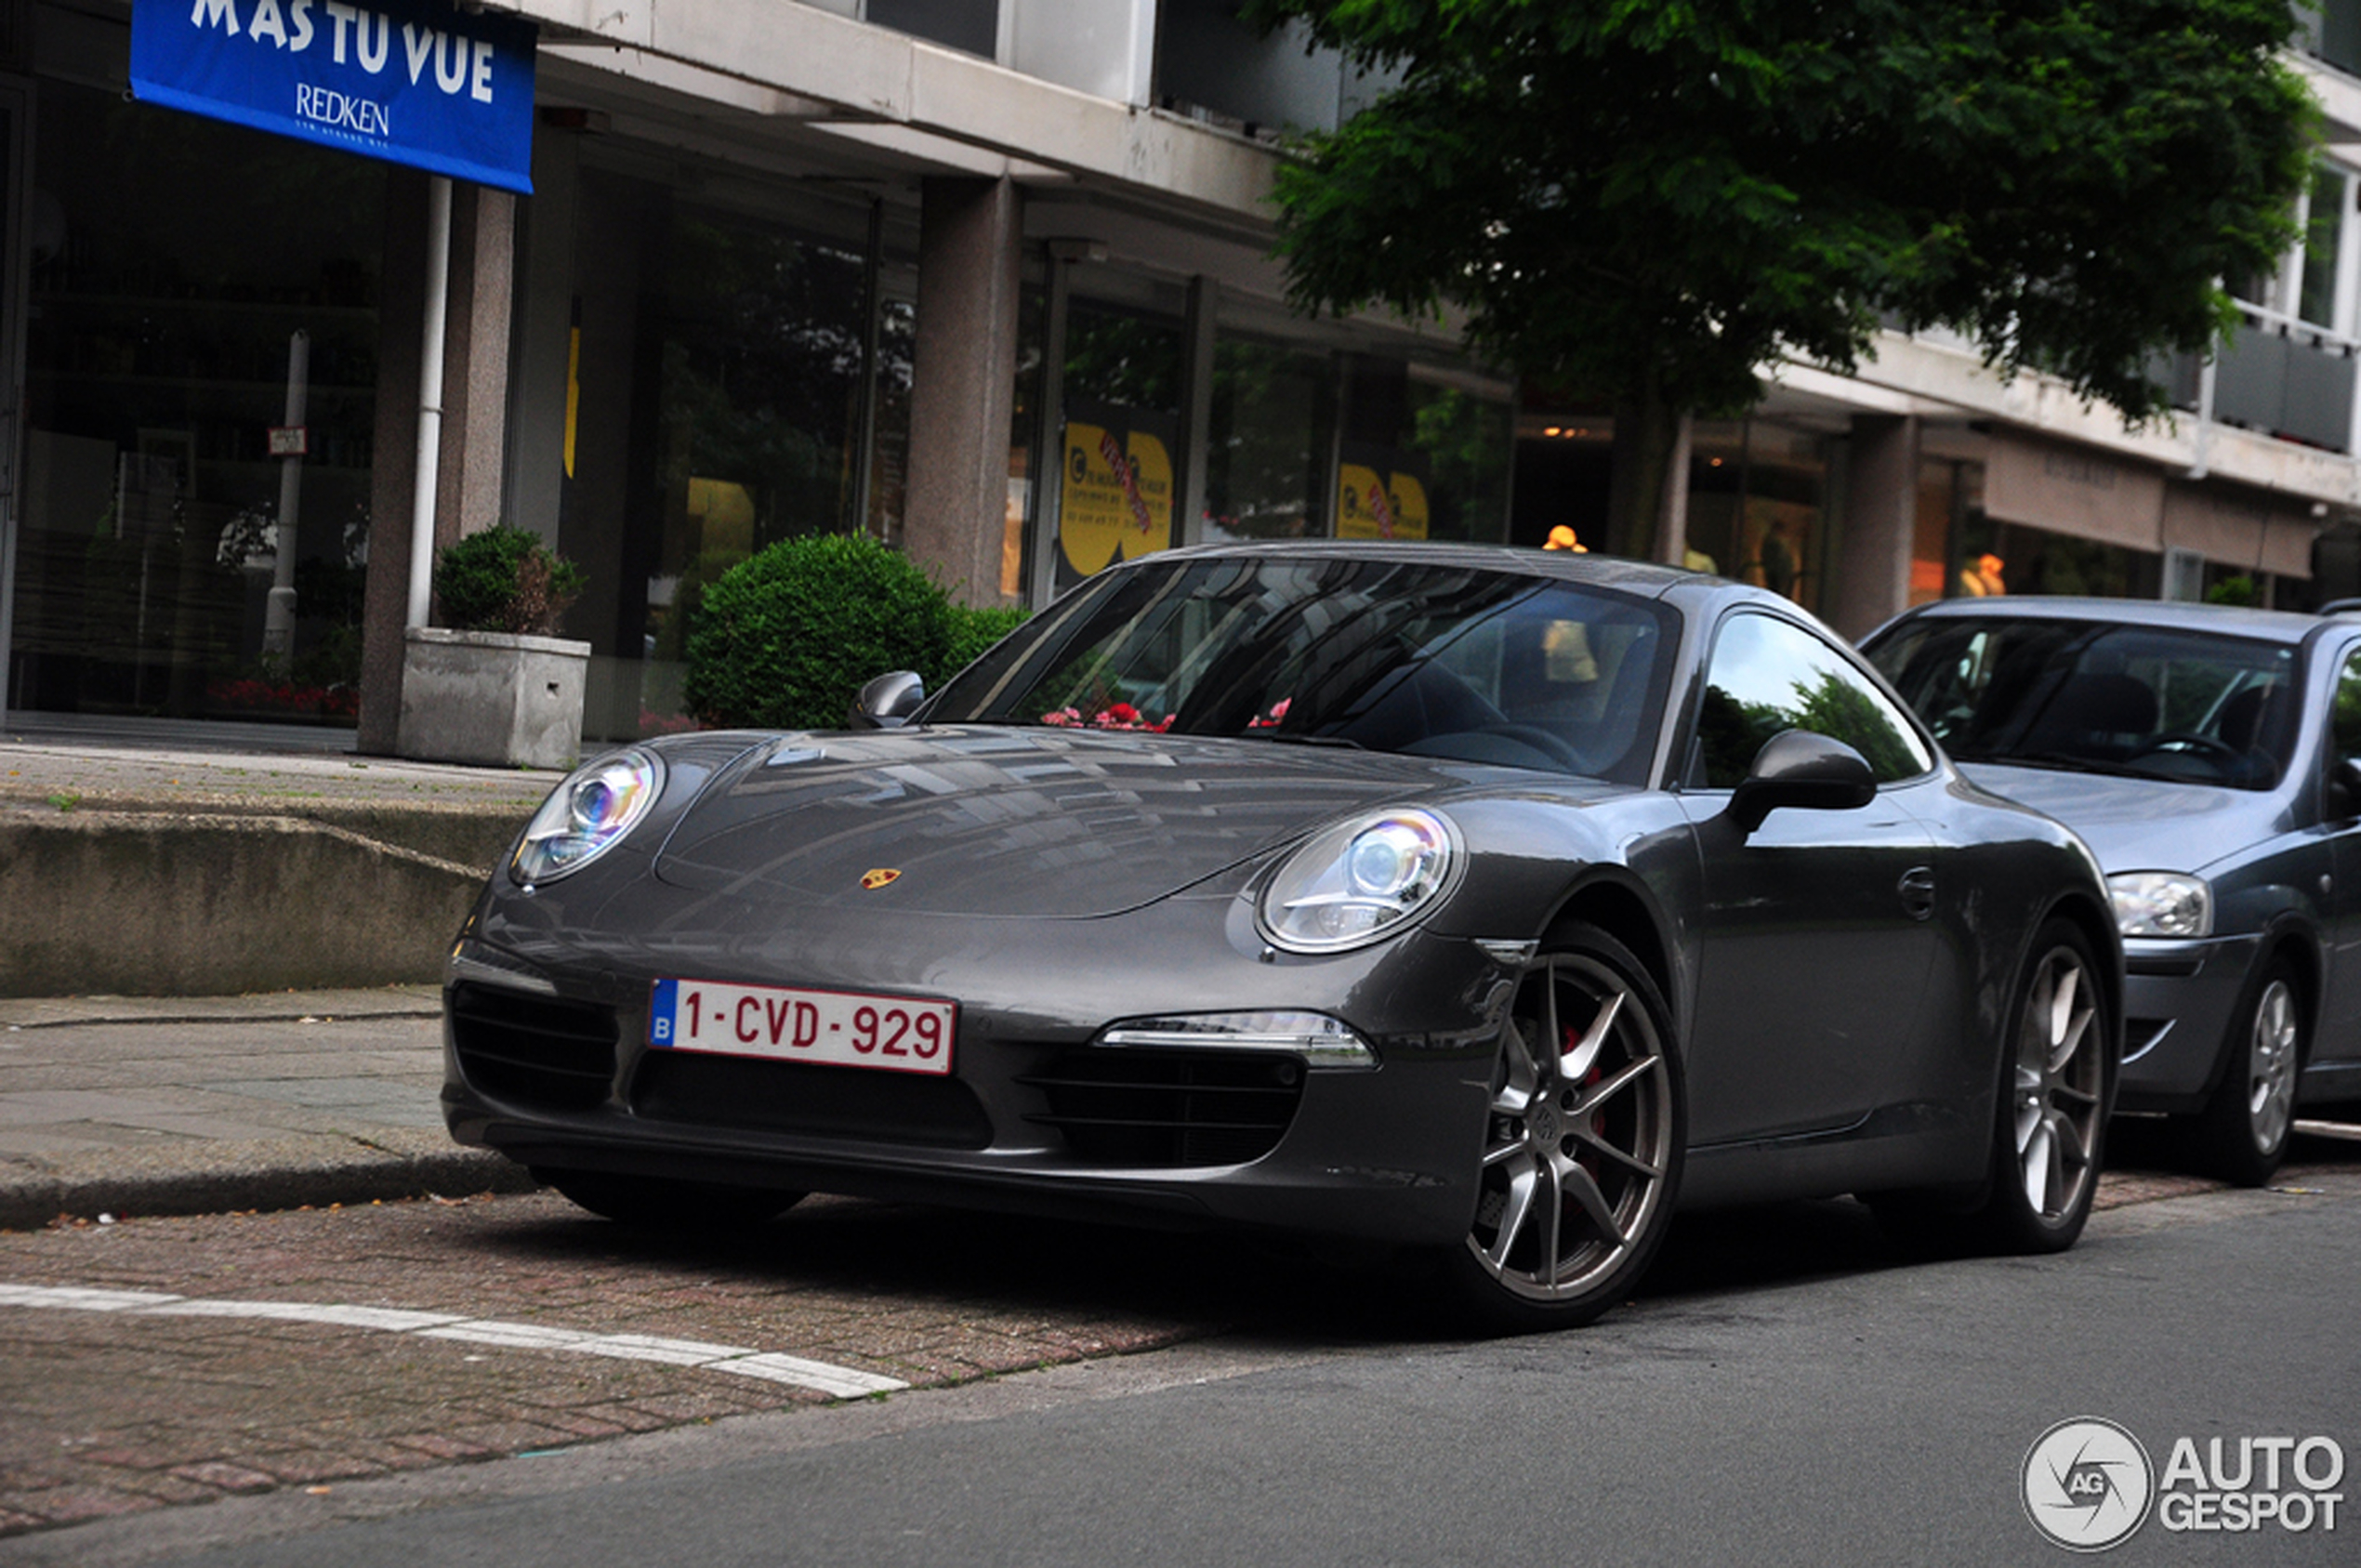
x=1169 y=1108
x=536 y=1049
x=796 y=1097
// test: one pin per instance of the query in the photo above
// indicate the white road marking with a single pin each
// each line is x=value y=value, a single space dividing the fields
x=843 y=1382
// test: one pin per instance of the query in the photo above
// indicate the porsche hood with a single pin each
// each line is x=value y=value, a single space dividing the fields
x=989 y=820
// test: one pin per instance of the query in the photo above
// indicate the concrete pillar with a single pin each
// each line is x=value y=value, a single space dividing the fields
x=970 y=238
x=1196 y=413
x=401 y=295
x=1881 y=506
x=475 y=360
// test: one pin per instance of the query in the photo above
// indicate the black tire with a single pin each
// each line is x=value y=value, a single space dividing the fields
x=1582 y=1151
x=2241 y=1135
x=2057 y=1085
x=662 y=1204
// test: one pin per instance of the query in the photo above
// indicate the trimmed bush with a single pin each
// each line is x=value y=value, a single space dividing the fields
x=505 y=579
x=784 y=639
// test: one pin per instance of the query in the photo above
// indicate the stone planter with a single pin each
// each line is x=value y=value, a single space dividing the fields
x=491 y=698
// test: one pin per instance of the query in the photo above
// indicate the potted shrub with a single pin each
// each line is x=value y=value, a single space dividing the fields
x=495 y=686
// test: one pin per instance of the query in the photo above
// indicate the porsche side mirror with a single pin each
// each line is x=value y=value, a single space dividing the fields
x=2344 y=790
x=1802 y=769
x=888 y=701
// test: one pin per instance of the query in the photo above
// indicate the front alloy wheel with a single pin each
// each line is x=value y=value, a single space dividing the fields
x=1582 y=1146
x=2054 y=1113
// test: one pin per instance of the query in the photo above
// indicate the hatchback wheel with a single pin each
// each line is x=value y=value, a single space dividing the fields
x=2242 y=1133
x=1582 y=1147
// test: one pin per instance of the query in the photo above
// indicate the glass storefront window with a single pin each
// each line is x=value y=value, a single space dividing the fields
x=1421 y=458
x=173 y=261
x=1117 y=454
x=1757 y=502
x=1267 y=449
x=719 y=389
x=1464 y=439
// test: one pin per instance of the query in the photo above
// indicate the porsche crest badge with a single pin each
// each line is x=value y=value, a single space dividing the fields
x=873 y=880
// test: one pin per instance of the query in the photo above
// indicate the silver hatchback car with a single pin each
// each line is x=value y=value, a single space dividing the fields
x=2211 y=757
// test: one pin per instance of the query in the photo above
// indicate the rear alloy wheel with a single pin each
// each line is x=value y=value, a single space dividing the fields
x=2242 y=1133
x=2053 y=1099
x=656 y=1202
x=1582 y=1146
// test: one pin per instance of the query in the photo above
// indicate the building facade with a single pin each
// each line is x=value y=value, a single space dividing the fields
x=987 y=279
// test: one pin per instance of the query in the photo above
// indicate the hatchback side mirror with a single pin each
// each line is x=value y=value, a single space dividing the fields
x=888 y=701
x=1802 y=769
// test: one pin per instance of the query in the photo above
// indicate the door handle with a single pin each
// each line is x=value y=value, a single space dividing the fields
x=1917 y=889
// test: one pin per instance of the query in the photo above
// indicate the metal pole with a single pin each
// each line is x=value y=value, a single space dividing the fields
x=431 y=399
x=864 y=440
x=278 y=619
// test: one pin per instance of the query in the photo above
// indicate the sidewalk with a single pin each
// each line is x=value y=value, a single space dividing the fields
x=117 y=1105
x=156 y=857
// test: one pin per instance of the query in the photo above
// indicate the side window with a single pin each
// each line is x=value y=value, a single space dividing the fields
x=1768 y=675
x=2344 y=720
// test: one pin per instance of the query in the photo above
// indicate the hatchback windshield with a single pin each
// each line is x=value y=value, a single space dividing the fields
x=2157 y=701
x=1413 y=657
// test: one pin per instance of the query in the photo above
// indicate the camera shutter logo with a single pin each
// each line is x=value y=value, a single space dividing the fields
x=2087 y=1485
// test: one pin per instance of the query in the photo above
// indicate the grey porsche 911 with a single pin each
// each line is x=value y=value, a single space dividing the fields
x=1487 y=902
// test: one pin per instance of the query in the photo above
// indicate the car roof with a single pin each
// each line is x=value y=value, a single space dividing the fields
x=1639 y=577
x=2226 y=620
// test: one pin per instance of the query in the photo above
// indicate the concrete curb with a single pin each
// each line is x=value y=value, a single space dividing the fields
x=420 y=1000
x=276 y=1173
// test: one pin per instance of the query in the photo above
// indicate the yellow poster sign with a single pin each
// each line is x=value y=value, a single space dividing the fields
x=1116 y=498
x=1367 y=507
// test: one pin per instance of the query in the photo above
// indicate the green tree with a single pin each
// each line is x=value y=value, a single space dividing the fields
x=1654 y=198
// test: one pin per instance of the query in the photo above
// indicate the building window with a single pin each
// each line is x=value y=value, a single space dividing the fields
x=2318 y=300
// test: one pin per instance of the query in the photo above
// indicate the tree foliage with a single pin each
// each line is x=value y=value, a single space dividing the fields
x=1654 y=197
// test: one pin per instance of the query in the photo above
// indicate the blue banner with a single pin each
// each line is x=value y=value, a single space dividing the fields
x=414 y=82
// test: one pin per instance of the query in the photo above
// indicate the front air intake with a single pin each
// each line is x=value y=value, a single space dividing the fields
x=536 y=1050
x=1169 y=1108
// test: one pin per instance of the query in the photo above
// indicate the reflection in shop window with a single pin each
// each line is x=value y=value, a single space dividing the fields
x=173 y=261
x=1267 y=448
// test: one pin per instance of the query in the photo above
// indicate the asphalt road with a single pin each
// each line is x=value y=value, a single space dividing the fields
x=1789 y=1389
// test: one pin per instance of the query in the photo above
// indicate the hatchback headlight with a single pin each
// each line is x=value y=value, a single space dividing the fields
x=1360 y=881
x=587 y=815
x=2161 y=904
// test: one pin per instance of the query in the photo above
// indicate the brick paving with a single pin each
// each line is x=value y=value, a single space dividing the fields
x=109 y=1415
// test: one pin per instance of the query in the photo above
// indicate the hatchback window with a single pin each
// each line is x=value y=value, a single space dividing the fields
x=2153 y=702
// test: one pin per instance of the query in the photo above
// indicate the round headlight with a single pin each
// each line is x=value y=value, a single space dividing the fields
x=1359 y=882
x=586 y=815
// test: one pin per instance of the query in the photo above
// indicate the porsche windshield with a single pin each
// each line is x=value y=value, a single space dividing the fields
x=1419 y=658
x=2156 y=701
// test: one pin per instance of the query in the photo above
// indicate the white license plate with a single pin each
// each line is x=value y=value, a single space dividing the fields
x=786 y=1023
